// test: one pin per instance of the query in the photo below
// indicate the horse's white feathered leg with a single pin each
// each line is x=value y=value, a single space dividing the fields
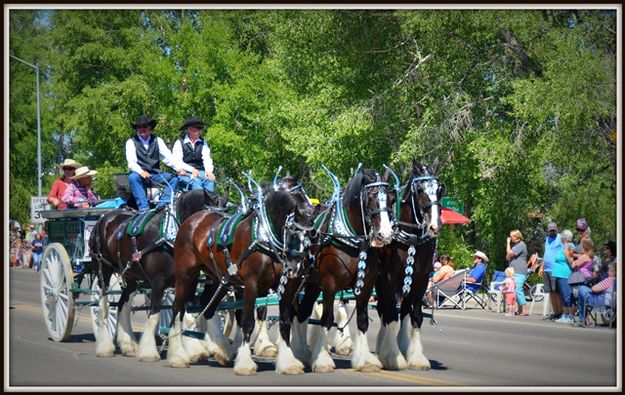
x=362 y=358
x=221 y=350
x=342 y=340
x=321 y=362
x=125 y=336
x=286 y=363
x=177 y=356
x=243 y=364
x=147 y=345
x=299 y=346
x=388 y=351
x=263 y=347
x=104 y=346
x=405 y=332
x=414 y=353
x=195 y=348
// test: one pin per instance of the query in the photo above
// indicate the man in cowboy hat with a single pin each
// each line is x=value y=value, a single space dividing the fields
x=68 y=167
x=477 y=272
x=193 y=156
x=144 y=153
x=80 y=193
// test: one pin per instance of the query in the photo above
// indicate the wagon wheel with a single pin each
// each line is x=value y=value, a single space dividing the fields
x=111 y=322
x=57 y=298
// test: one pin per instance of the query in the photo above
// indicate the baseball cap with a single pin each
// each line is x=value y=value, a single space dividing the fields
x=552 y=226
x=581 y=224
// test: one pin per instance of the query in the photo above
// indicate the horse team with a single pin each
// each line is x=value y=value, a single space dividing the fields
x=374 y=233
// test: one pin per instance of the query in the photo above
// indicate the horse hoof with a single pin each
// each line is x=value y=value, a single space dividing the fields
x=419 y=367
x=106 y=354
x=179 y=363
x=245 y=371
x=343 y=351
x=129 y=353
x=323 y=369
x=150 y=358
x=221 y=359
x=269 y=352
x=369 y=368
x=293 y=371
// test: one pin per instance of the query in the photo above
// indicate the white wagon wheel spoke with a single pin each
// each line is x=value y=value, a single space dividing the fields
x=57 y=302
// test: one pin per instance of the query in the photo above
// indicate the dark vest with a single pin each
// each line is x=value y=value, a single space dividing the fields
x=192 y=153
x=148 y=160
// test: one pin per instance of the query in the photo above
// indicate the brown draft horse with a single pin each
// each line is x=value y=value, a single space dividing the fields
x=255 y=264
x=352 y=232
x=405 y=265
x=154 y=266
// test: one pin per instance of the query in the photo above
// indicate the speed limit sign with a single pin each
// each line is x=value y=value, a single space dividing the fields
x=37 y=204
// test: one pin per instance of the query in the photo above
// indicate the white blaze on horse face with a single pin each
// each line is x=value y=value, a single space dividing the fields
x=386 y=230
x=431 y=189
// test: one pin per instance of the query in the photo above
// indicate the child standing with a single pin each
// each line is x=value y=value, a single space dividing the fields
x=509 y=291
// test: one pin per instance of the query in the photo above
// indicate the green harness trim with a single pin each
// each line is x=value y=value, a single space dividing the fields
x=137 y=224
x=233 y=228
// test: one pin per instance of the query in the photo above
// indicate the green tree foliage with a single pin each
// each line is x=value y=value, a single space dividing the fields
x=520 y=105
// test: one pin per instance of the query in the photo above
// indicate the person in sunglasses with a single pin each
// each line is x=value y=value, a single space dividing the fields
x=68 y=168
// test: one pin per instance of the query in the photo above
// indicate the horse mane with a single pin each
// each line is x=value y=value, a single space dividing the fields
x=354 y=186
x=193 y=201
x=129 y=198
x=279 y=204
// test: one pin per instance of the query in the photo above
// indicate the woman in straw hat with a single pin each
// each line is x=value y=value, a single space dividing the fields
x=68 y=167
x=80 y=193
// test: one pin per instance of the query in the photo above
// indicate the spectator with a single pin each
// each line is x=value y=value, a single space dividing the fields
x=561 y=271
x=437 y=267
x=144 y=153
x=553 y=245
x=14 y=239
x=31 y=234
x=477 y=272
x=516 y=253
x=27 y=254
x=583 y=261
x=446 y=270
x=595 y=296
x=68 y=167
x=17 y=257
x=80 y=193
x=38 y=245
x=581 y=226
x=194 y=157
x=608 y=257
x=509 y=291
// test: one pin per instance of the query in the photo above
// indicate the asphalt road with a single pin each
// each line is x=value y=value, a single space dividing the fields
x=474 y=348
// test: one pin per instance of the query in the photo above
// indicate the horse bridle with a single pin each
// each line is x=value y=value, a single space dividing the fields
x=432 y=187
x=382 y=197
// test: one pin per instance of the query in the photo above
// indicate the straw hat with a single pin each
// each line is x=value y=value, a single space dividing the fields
x=69 y=163
x=481 y=255
x=83 y=172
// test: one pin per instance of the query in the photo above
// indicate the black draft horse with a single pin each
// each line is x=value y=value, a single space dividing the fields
x=404 y=268
x=148 y=258
x=351 y=233
x=251 y=262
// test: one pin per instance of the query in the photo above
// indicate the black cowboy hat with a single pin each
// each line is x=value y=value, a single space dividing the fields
x=192 y=121
x=143 y=120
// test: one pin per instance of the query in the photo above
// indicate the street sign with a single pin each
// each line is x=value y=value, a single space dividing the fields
x=37 y=204
x=453 y=203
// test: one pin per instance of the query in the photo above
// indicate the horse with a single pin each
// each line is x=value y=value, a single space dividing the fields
x=353 y=230
x=268 y=238
x=404 y=268
x=148 y=257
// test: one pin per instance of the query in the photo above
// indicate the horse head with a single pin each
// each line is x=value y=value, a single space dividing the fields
x=428 y=190
x=367 y=201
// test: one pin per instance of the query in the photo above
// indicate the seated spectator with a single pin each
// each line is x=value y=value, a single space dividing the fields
x=477 y=272
x=446 y=270
x=583 y=261
x=608 y=256
x=595 y=296
x=68 y=167
x=80 y=193
x=437 y=267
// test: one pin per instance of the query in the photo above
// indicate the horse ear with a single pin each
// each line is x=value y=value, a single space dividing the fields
x=435 y=166
x=416 y=168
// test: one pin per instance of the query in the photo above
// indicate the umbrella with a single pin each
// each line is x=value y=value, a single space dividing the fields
x=451 y=217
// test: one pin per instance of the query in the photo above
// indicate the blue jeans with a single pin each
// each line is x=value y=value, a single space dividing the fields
x=519 y=279
x=37 y=260
x=566 y=293
x=200 y=182
x=138 y=185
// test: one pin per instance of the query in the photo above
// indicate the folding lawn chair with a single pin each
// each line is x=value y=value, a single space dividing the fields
x=607 y=311
x=449 y=292
x=474 y=291
x=494 y=293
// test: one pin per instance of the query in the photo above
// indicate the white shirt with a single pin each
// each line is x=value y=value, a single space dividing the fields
x=177 y=153
x=164 y=153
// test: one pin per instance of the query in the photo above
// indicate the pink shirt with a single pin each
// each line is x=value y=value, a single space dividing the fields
x=76 y=194
x=509 y=286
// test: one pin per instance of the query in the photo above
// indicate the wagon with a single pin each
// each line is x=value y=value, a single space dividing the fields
x=68 y=279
